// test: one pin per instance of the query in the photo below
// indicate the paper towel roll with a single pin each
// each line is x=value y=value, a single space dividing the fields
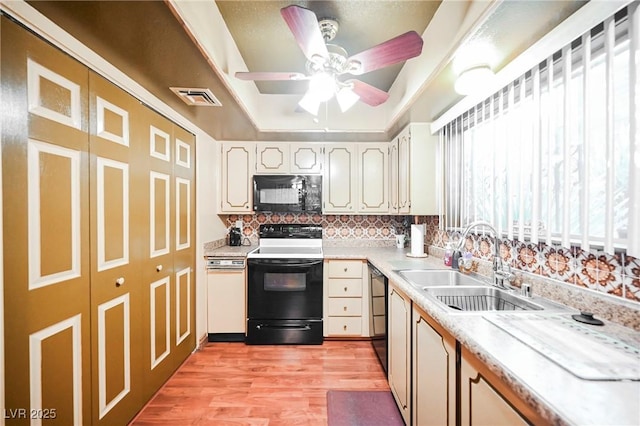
x=417 y=240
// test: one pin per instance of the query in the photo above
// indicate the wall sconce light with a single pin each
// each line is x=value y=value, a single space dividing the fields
x=474 y=79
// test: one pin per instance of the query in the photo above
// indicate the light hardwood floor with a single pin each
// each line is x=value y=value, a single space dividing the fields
x=237 y=384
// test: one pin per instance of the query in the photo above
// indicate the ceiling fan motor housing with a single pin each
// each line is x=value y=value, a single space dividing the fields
x=328 y=28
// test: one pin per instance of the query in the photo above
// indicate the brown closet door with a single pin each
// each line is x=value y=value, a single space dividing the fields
x=158 y=276
x=46 y=231
x=116 y=281
x=184 y=245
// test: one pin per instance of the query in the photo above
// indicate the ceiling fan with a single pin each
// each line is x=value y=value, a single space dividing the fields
x=327 y=63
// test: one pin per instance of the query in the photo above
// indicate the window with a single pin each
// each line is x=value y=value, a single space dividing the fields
x=555 y=155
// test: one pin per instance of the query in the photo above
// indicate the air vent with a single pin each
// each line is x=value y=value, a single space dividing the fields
x=196 y=97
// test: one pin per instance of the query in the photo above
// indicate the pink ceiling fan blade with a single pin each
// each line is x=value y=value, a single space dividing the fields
x=303 y=23
x=368 y=94
x=270 y=76
x=398 y=49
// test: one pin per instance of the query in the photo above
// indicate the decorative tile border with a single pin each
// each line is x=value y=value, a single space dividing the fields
x=378 y=230
x=616 y=275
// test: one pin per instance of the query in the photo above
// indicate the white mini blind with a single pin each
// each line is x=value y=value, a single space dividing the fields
x=554 y=157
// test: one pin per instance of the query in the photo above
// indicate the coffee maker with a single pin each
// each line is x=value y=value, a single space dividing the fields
x=235 y=238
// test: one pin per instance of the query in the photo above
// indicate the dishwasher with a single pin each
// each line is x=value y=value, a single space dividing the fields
x=378 y=326
x=226 y=299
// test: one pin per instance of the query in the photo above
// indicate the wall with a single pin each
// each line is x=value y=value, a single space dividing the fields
x=377 y=231
x=617 y=275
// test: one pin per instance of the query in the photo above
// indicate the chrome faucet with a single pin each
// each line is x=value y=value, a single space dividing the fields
x=499 y=272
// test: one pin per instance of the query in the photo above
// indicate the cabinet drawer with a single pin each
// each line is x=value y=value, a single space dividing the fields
x=345 y=288
x=345 y=269
x=345 y=306
x=344 y=326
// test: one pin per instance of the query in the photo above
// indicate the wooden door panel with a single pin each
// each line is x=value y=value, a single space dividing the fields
x=160 y=317
x=46 y=233
x=115 y=270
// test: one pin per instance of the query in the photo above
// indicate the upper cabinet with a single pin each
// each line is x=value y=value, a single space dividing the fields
x=340 y=177
x=373 y=178
x=413 y=171
x=288 y=158
x=237 y=161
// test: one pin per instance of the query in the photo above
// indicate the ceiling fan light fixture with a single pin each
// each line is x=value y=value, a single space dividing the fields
x=310 y=103
x=346 y=98
x=322 y=86
x=473 y=79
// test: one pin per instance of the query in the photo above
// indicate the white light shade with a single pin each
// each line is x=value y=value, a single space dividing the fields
x=323 y=86
x=346 y=98
x=473 y=80
x=310 y=103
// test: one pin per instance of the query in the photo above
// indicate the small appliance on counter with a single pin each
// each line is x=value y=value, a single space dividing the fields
x=235 y=238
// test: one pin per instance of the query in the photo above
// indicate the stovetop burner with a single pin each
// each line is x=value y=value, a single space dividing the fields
x=289 y=241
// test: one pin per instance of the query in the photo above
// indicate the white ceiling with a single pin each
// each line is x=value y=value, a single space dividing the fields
x=251 y=35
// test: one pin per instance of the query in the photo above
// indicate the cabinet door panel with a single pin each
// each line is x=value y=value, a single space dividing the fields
x=272 y=158
x=434 y=374
x=45 y=170
x=306 y=158
x=339 y=189
x=399 y=350
x=237 y=165
x=373 y=189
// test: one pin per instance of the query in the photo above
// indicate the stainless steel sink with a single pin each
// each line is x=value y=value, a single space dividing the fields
x=437 y=277
x=480 y=299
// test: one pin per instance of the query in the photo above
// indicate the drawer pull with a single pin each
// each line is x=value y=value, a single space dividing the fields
x=344 y=327
x=345 y=309
x=345 y=289
x=345 y=269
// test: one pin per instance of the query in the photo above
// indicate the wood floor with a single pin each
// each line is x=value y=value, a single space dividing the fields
x=237 y=384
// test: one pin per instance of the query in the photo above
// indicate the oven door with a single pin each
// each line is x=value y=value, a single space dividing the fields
x=284 y=289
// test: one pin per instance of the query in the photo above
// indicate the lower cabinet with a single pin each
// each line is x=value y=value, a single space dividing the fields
x=399 y=355
x=486 y=400
x=345 y=310
x=433 y=372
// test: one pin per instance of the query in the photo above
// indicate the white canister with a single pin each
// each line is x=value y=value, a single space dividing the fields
x=400 y=240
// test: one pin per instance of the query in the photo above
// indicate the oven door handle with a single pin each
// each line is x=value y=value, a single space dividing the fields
x=287 y=263
x=284 y=327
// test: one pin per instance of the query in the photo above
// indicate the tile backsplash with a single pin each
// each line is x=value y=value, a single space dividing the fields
x=374 y=230
x=617 y=275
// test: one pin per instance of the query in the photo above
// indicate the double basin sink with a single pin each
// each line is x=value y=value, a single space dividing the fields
x=458 y=293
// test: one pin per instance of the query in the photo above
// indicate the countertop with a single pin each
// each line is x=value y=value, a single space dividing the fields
x=556 y=394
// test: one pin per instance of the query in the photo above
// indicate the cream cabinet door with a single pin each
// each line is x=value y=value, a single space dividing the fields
x=393 y=176
x=404 y=172
x=339 y=182
x=399 y=356
x=482 y=397
x=236 y=180
x=272 y=158
x=306 y=158
x=433 y=372
x=373 y=178
x=45 y=171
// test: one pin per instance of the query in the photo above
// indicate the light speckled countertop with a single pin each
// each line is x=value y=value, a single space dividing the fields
x=556 y=394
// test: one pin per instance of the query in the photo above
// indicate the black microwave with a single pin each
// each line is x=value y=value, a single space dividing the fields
x=287 y=193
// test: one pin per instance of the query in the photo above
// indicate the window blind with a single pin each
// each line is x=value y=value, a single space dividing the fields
x=555 y=155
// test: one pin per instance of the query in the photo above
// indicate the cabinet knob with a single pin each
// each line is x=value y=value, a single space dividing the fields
x=344 y=327
x=344 y=308
x=345 y=269
x=159 y=268
x=345 y=289
x=119 y=281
